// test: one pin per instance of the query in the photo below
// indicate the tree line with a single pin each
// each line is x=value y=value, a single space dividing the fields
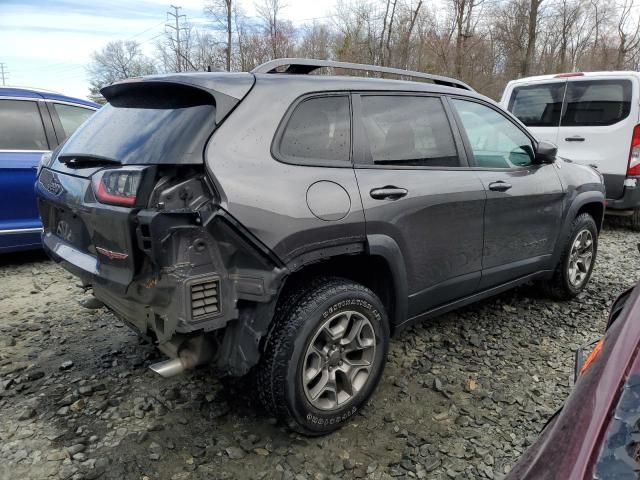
x=485 y=43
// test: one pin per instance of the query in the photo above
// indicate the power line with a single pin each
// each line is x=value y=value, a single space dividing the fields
x=177 y=16
x=3 y=72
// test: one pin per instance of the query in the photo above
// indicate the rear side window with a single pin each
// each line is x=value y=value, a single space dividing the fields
x=21 y=126
x=71 y=117
x=408 y=130
x=596 y=102
x=538 y=105
x=319 y=130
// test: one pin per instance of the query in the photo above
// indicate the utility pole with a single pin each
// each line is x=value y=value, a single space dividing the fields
x=3 y=72
x=177 y=16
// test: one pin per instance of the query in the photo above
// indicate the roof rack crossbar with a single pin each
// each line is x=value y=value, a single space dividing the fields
x=307 y=65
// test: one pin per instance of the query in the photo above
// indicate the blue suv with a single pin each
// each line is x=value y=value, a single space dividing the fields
x=32 y=122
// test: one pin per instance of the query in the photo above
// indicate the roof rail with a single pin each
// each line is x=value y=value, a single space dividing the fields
x=307 y=65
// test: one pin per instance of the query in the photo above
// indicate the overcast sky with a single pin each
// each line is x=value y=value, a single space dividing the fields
x=48 y=43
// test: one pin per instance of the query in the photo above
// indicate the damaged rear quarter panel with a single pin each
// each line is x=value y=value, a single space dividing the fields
x=188 y=240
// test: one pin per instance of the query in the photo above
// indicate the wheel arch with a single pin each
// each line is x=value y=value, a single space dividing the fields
x=377 y=264
x=591 y=202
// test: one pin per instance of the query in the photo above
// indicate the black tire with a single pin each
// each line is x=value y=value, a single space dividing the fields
x=299 y=318
x=560 y=286
x=635 y=220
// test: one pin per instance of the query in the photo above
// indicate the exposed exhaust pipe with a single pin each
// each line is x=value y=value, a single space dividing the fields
x=186 y=353
x=168 y=368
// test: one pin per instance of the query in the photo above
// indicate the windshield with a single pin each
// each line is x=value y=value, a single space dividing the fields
x=152 y=127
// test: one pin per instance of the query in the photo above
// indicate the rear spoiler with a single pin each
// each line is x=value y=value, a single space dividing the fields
x=224 y=90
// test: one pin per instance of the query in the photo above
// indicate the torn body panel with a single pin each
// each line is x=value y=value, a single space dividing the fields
x=198 y=268
x=190 y=269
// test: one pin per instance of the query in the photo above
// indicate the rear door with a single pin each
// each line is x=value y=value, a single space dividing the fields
x=417 y=190
x=23 y=140
x=523 y=212
x=538 y=105
x=68 y=117
x=597 y=124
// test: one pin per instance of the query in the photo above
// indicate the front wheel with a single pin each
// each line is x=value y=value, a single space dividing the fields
x=324 y=356
x=576 y=261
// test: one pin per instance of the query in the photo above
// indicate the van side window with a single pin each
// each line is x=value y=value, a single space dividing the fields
x=318 y=130
x=596 y=102
x=408 y=130
x=21 y=126
x=496 y=142
x=538 y=105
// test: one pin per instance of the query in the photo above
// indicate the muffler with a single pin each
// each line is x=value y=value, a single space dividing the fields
x=187 y=354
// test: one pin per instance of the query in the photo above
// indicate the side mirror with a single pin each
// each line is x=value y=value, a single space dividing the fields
x=546 y=152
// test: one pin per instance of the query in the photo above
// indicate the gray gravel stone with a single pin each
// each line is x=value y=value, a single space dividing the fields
x=427 y=419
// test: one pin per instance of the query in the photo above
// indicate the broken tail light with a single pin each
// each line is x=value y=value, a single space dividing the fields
x=117 y=186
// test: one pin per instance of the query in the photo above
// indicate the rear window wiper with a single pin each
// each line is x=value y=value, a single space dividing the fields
x=86 y=160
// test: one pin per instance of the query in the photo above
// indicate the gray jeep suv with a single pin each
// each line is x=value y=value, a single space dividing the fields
x=286 y=224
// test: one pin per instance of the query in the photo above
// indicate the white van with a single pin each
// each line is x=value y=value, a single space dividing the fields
x=593 y=118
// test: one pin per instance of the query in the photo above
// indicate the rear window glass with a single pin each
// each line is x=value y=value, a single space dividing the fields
x=21 y=126
x=408 y=131
x=155 y=124
x=596 y=102
x=538 y=105
x=318 y=130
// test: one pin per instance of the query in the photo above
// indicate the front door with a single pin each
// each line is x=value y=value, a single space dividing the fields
x=523 y=214
x=418 y=191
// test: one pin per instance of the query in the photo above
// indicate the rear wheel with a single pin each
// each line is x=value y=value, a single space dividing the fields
x=324 y=356
x=635 y=220
x=577 y=259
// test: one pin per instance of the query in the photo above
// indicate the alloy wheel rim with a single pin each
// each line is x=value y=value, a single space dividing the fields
x=580 y=258
x=339 y=360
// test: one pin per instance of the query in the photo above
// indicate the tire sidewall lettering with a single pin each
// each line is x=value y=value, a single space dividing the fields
x=351 y=302
x=328 y=420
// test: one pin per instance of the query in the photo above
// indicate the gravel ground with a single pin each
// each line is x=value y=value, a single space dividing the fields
x=462 y=395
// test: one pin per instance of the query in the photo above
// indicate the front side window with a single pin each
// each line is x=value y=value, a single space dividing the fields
x=71 y=117
x=538 y=105
x=318 y=130
x=408 y=130
x=21 y=126
x=495 y=141
x=596 y=102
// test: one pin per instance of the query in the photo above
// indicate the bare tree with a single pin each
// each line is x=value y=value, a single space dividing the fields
x=534 y=8
x=116 y=61
x=629 y=35
x=269 y=12
x=464 y=20
x=486 y=43
x=407 y=41
x=222 y=13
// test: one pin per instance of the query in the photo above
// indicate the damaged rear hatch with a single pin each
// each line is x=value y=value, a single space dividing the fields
x=91 y=189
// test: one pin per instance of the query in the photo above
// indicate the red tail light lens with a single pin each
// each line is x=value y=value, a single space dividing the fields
x=633 y=170
x=117 y=187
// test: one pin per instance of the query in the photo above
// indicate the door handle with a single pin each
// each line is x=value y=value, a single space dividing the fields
x=499 y=186
x=575 y=138
x=388 y=193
